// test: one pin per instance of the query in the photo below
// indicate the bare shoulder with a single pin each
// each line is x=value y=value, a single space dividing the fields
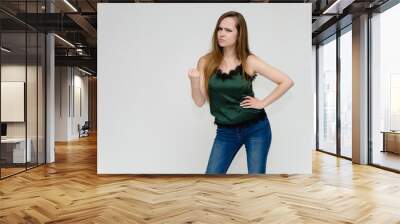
x=253 y=60
x=202 y=61
x=251 y=64
x=263 y=68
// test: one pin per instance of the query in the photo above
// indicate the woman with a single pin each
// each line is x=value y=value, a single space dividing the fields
x=224 y=77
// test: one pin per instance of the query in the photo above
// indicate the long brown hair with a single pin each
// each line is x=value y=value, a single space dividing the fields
x=215 y=56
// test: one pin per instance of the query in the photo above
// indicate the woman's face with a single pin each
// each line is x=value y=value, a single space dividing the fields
x=227 y=32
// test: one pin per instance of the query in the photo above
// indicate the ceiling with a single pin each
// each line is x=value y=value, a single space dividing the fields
x=76 y=22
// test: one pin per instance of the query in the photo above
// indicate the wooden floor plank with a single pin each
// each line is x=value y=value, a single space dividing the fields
x=70 y=191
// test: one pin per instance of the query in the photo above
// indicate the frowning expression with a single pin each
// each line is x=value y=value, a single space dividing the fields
x=227 y=32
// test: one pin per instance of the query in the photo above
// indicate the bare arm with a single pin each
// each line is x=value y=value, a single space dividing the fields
x=281 y=79
x=196 y=77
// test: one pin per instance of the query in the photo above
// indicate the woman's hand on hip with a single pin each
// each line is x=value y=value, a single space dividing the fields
x=252 y=102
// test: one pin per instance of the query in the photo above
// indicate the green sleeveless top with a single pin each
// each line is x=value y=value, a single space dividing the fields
x=226 y=91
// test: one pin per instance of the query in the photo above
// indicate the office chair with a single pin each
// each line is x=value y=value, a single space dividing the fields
x=84 y=130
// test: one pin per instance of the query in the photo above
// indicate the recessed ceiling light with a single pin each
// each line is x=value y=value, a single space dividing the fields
x=70 y=5
x=86 y=72
x=65 y=41
x=5 y=49
x=338 y=6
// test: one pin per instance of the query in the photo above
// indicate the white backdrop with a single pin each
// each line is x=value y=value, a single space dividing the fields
x=147 y=120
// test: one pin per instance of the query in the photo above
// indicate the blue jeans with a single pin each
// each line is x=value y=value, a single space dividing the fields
x=257 y=139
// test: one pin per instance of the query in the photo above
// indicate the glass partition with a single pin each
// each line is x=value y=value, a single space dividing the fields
x=346 y=93
x=385 y=89
x=22 y=77
x=31 y=100
x=327 y=96
x=14 y=153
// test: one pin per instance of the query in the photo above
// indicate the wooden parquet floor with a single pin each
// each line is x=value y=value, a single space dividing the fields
x=70 y=191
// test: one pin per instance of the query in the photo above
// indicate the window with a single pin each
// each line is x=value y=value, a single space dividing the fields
x=346 y=75
x=327 y=96
x=385 y=88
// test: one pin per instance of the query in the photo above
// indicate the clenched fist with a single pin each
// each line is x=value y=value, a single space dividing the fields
x=193 y=73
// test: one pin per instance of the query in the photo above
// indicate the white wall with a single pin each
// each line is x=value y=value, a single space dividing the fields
x=68 y=81
x=80 y=83
x=61 y=103
x=147 y=121
x=314 y=79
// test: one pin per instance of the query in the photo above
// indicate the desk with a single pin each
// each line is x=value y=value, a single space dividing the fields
x=391 y=141
x=15 y=148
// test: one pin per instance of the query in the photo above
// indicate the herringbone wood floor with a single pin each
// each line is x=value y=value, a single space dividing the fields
x=70 y=191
